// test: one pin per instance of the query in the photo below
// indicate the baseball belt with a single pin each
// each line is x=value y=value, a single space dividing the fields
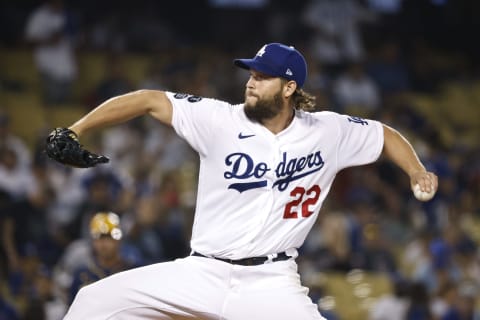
x=254 y=261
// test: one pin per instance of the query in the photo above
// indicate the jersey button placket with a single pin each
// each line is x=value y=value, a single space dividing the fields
x=271 y=155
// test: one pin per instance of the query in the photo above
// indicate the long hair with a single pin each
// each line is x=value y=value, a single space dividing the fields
x=303 y=100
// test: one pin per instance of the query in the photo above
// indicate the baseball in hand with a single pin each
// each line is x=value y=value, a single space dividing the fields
x=422 y=195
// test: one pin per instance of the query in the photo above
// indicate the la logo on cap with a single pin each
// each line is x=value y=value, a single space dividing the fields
x=261 y=51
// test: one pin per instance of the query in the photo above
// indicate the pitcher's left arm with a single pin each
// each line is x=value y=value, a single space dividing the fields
x=399 y=150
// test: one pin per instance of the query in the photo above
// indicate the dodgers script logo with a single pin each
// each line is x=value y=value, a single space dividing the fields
x=242 y=167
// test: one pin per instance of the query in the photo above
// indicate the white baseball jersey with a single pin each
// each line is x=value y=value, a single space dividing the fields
x=260 y=193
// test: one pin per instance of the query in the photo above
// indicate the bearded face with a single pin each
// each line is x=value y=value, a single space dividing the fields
x=259 y=108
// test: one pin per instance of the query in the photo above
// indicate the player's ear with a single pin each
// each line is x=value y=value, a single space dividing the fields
x=289 y=88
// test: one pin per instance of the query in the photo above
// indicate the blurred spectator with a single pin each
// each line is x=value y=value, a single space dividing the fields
x=106 y=258
x=328 y=248
x=11 y=141
x=115 y=81
x=444 y=263
x=160 y=229
x=19 y=282
x=336 y=37
x=319 y=85
x=49 y=29
x=69 y=195
x=375 y=255
x=173 y=218
x=44 y=303
x=388 y=69
x=444 y=299
x=24 y=207
x=169 y=151
x=121 y=145
x=392 y=306
x=416 y=254
x=15 y=179
x=105 y=190
x=463 y=304
x=145 y=233
x=355 y=93
x=77 y=253
x=419 y=306
x=425 y=76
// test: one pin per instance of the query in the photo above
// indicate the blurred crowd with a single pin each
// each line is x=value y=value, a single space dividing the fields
x=372 y=58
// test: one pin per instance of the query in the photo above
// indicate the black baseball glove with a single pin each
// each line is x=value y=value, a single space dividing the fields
x=62 y=146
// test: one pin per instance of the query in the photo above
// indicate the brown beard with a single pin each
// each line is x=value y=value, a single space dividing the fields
x=264 y=109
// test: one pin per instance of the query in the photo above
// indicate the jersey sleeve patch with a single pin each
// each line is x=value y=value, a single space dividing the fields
x=189 y=97
x=357 y=120
x=361 y=141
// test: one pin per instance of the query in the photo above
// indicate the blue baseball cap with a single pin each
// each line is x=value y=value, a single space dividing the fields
x=277 y=60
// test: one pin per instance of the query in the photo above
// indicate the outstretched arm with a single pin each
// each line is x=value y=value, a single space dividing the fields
x=401 y=152
x=125 y=107
x=62 y=144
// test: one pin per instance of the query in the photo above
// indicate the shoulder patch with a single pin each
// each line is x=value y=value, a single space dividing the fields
x=180 y=95
x=194 y=98
x=358 y=120
x=191 y=98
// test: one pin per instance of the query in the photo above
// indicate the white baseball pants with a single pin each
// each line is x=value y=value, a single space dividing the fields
x=197 y=288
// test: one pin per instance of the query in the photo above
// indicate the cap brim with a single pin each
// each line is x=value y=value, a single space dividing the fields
x=252 y=64
x=242 y=63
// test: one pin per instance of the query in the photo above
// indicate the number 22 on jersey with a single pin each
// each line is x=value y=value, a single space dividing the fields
x=302 y=200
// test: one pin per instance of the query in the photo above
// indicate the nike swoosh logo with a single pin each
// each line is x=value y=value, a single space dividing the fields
x=244 y=136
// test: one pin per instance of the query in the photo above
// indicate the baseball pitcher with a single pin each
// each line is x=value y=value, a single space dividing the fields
x=266 y=166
